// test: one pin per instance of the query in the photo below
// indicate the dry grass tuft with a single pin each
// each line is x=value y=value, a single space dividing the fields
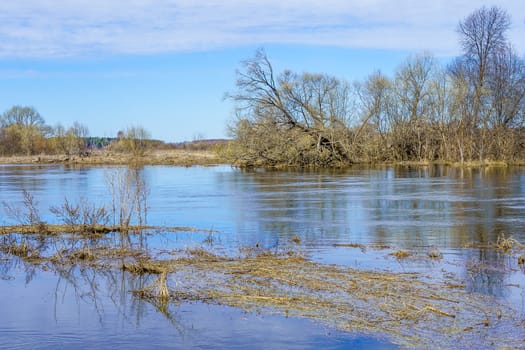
x=296 y=239
x=434 y=253
x=401 y=254
x=145 y=267
x=201 y=254
x=162 y=290
x=412 y=312
x=83 y=254
x=21 y=250
x=506 y=244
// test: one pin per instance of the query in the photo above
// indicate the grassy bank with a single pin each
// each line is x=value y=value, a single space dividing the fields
x=156 y=157
x=204 y=157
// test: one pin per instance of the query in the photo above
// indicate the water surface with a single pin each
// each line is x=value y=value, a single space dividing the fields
x=395 y=207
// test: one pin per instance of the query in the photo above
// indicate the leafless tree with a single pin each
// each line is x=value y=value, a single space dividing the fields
x=482 y=37
x=310 y=110
x=23 y=116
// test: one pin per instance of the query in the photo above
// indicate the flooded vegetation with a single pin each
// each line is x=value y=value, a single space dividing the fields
x=469 y=110
x=392 y=257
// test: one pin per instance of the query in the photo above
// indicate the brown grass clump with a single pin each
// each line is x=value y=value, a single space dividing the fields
x=145 y=266
x=521 y=259
x=162 y=287
x=401 y=254
x=506 y=244
x=296 y=239
x=200 y=254
x=434 y=253
x=83 y=254
x=21 y=250
x=412 y=312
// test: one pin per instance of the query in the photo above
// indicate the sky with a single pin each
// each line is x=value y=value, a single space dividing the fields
x=166 y=65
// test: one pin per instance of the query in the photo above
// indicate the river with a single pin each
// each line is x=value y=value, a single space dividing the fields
x=354 y=217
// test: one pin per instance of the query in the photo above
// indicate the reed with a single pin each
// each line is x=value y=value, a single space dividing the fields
x=506 y=244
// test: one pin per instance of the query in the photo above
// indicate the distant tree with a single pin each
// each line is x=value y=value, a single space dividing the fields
x=76 y=139
x=483 y=38
x=506 y=83
x=410 y=117
x=23 y=116
x=25 y=129
x=375 y=103
x=135 y=140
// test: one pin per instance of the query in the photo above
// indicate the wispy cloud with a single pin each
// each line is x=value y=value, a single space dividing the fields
x=63 y=28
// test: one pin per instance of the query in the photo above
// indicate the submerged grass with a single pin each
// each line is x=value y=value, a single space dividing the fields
x=412 y=312
x=409 y=309
x=504 y=244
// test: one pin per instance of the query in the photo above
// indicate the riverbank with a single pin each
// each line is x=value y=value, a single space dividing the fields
x=184 y=157
x=155 y=157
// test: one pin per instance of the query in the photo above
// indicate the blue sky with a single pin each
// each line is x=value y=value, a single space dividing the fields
x=166 y=64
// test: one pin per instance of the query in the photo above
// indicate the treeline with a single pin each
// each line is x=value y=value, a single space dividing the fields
x=473 y=109
x=23 y=131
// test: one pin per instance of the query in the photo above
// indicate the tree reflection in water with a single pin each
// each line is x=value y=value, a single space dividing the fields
x=91 y=283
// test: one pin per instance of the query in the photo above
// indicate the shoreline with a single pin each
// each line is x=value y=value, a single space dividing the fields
x=179 y=157
x=156 y=157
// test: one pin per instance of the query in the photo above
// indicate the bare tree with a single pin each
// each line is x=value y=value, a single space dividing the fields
x=135 y=140
x=472 y=110
x=312 y=110
x=375 y=100
x=23 y=116
x=483 y=37
x=506 y=82
x=25 y=128
x=410 y=117
x=76 y=139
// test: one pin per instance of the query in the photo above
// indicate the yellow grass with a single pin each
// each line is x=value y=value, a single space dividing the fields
x=406 y=307
x=154 y=157
x=506 y=244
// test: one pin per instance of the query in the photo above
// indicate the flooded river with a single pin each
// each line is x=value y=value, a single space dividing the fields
x=355 y=217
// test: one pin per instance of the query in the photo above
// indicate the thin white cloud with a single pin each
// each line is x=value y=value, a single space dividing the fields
x=62 y=28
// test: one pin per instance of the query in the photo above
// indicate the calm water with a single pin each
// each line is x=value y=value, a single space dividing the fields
x=403 y=208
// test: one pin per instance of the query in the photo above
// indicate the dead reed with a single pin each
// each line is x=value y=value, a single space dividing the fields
x=407 y=308
x=412 y=312
x=507 y=244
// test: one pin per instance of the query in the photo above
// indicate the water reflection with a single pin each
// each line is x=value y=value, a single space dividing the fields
x=404 y=207
x=51 y=306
